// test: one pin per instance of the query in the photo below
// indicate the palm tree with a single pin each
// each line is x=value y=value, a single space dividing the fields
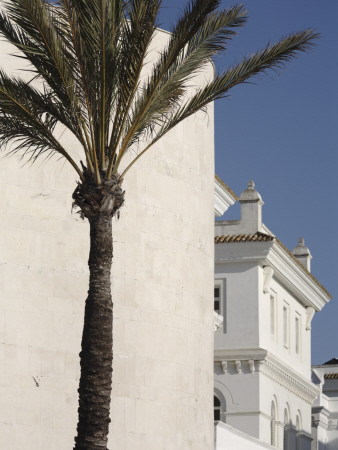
x=87 y=57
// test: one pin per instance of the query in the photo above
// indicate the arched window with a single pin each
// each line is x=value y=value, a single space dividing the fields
x=298 y=430
x=217 y=409
x=273 y=424
x=286 y=429
x=219 y=405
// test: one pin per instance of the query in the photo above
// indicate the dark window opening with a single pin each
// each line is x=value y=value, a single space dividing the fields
x=217 y=409
x=217 y=300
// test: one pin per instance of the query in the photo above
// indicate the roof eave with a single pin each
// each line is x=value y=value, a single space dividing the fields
x=303 y=284
x=286 y=270
x=224 y=198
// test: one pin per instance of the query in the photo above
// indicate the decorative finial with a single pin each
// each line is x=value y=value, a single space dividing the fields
x=251 y=185
x=250 y=194
x=302 y=253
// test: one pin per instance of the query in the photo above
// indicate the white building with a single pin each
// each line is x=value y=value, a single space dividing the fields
x=325 y=407
x=267 y=298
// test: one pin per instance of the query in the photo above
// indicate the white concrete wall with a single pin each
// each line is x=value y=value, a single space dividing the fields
x=294 y=363
x=228 y=438
x=241 y=393
x=163 y=327
x=240 y=303
x=301 y=363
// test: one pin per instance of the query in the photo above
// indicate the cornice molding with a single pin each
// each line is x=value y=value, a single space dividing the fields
x=320 y=417
x=283 y=376
x=296 y=279
x=239 y=361
x=270 y=253
x=222 y=199
x=246 y=361
x=244 y=354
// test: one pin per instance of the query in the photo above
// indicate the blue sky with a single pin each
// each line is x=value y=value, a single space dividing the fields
x=282 y=133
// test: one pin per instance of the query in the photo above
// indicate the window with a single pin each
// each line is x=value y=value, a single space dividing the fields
x=220 y=301
x=273 y=424
x=286 y=429
x=217 y=299
x=219 y=406
x=286 y=325
x=297 y=334
x=273 y=314
x=298 y=430
x=217 y=409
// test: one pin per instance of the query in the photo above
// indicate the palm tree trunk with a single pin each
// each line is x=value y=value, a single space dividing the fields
x=97 y=341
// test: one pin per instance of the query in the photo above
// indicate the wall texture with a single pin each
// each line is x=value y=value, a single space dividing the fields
x=227 y=437
x=162 y=287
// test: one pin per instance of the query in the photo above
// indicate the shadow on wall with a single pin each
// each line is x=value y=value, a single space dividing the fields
x=294 y=439
x=320 y=445
x=229 y=438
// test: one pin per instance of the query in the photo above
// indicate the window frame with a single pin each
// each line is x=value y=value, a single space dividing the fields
x=220 y=397
x=273 y=424
x=218 y=286
x=298 y=334
x=286 y=325
x=221 y=284
x=287 y=427
x=217 y=408
x=298 y=430
x=273 y=317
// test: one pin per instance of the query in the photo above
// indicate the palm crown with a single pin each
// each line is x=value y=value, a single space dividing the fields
x=89 y=55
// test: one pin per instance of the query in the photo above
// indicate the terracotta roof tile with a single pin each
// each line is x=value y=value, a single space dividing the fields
x=331 y=376
x=243 y=238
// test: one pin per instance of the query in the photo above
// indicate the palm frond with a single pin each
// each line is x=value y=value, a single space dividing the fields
x=39 y=33
x=193 y=17
x=36 y=34
x=89 y=56
x=135 y=41
x=210 y=39
x=25 y=124
x=273 y=57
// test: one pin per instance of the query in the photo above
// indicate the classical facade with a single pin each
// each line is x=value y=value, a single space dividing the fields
x=264 y=300
x=325 y=407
